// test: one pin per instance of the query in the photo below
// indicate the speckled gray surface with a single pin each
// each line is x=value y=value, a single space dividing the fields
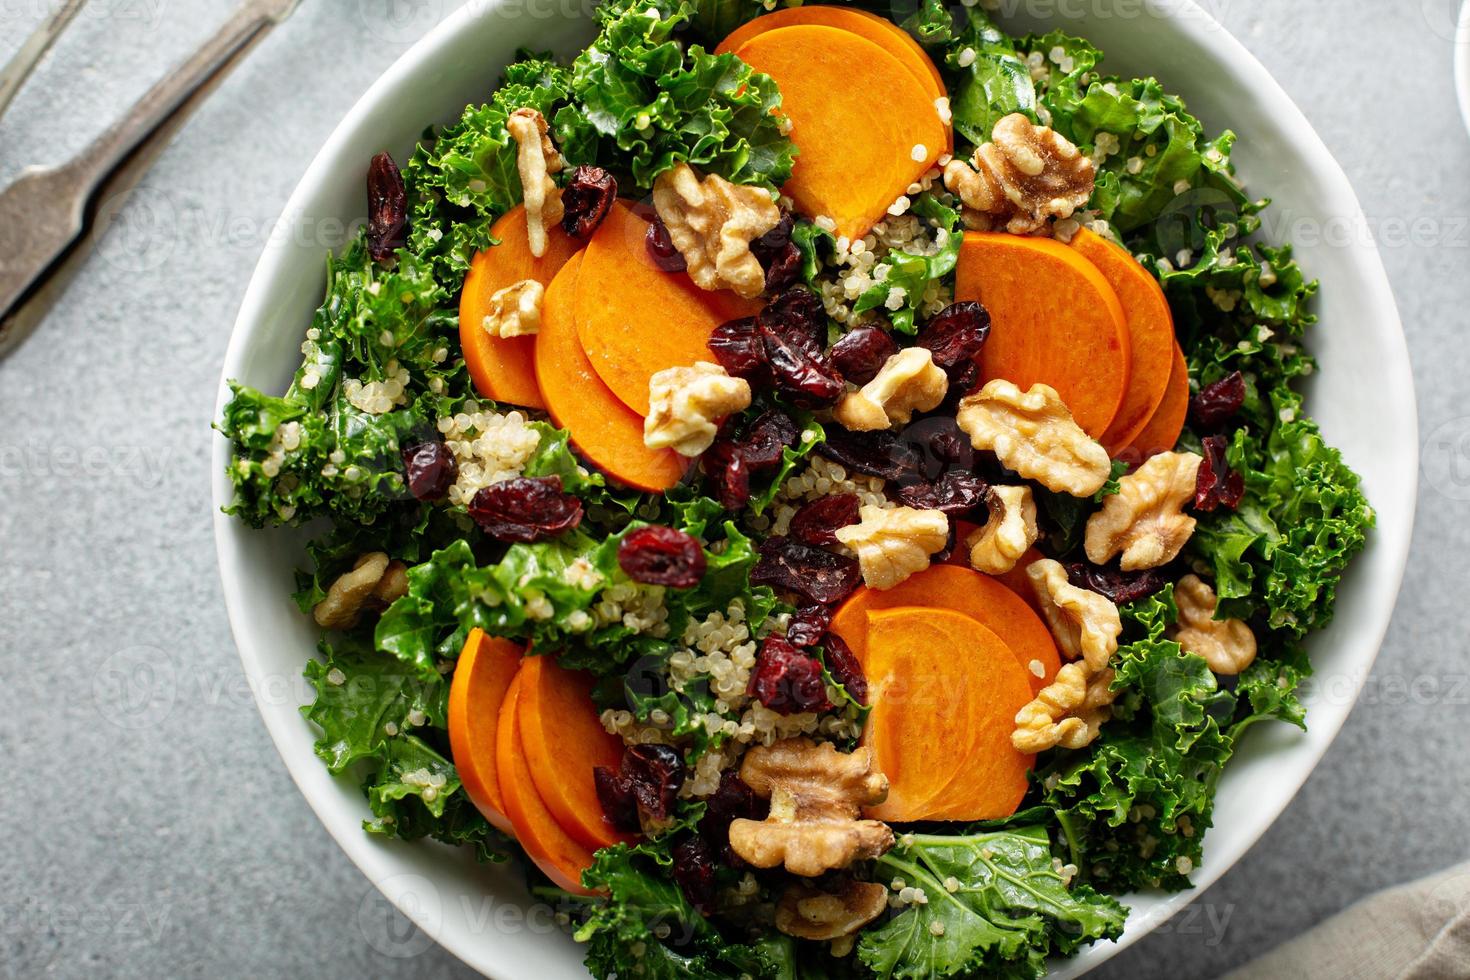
x=150 y=827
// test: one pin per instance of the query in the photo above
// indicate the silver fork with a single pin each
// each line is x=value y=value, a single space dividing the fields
x=44 y=214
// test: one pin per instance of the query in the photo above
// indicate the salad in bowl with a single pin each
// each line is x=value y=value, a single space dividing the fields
x=825 y=493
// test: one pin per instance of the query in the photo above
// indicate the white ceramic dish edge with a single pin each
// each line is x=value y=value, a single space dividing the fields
x=433 y=885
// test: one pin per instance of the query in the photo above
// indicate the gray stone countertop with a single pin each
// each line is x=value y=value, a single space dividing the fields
x=183 y=849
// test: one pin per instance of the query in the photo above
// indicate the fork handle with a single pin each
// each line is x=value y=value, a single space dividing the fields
x=155 y=106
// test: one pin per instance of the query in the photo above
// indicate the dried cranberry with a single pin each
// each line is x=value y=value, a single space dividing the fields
x=732 y=801
x=430 y=469
x=693 y=870
x=936 y=445
x=661 y=248
x=844 y=667
x=738 y=347
x=587 y=199
x=644 y=789
x=808 y=625
x=1217 y=484
x=877 y=454
x=733 y=460
x=804 y=378
x=964 y=380
x=656 y=555
x=786 y=680
x=955 y=493
x=957 y=333
x=1218 y=403
x=525 y=509
x=1116 y=585
x=798 y=317
x=815 y=575
x=778 y=255
x=387 y=208
x=861 y=353
x=817 y=522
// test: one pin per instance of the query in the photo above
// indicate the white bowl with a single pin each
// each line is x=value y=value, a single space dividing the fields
x=1363 y=397
x=1462 y=62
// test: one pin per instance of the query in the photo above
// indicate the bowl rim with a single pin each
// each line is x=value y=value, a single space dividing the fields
x=1462 y=62
x=1188 y=18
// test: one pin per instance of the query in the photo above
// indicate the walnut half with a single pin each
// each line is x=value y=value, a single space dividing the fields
x=1010 y=532
x=686 y=405
x=1026 y=175
x=1084 y=623
x=1145 y=519
x=817 y=795
x=374 y=582
x=894 y=543
x=712 y=223
x=536 y=160
x=1033 y=433
x=908 y=382
x=1068 y=712
x=515 y=311
x=1227 y=645
x=811 y=913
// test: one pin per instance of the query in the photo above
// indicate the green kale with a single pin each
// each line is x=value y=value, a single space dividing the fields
x=996 y=904
x=986 y=77
x=643 y=101
x=901 y=291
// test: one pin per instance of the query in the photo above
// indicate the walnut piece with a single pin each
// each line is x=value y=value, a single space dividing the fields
x=1026 y=175
x=374 y=583
x=1145 y=519
x=686 y=405
x=894 y=543
x=515 y=311
x=1034 y=434
x=536 y=160
x=817 y=795
x=712 y=223
x=811 y=913
x=1227 y=645
x=1067 y=712
x=1084 y=623
x=908 y=382
x=1011 y=530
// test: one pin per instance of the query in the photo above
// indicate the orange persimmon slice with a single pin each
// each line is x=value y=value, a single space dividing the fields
x=482 y=675
x=881 y=31
x=1161 y=433
x=548 y=846
x=634 y=319
x=993 y=603
x=607 y=432
x=858 y=153
x=1054 y=319
x=1150 y=335
x=564 y=741
x=945 y=693
x=502 y=368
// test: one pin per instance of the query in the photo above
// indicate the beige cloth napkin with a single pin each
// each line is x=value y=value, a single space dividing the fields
x=1418 y=931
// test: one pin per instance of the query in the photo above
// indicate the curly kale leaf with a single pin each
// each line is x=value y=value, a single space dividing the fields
x=996 y=904
x=643 y=101
x=901 y=291
x=988 y=78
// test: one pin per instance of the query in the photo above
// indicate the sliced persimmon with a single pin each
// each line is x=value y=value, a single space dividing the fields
x=880 y=30
x=1161 y=434
x=634 y=319
x=858 y=154
x=548 y=846
x=989 y=601
x=1150 y=335
x=564 y=741
x=482 y=675
x=503 y=368
x=607 y=432
x=1054 y=319
x=940 y=679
